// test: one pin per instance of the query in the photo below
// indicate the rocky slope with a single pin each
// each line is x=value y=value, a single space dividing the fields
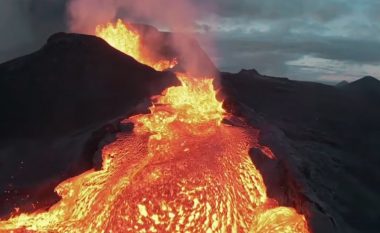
x=328 y=136
x=69 y=78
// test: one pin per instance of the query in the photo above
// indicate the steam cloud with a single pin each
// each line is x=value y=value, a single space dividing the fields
x=177 y=16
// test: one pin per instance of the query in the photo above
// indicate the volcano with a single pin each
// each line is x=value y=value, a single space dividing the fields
x=166 y=175
x=195 y=162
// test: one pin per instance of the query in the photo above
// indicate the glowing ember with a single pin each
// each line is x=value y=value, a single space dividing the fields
x=180 y=170
x=126 y=39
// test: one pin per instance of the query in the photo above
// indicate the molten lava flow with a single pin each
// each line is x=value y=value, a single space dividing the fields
x=192 y=105
x=180 y=170
x=126 y=39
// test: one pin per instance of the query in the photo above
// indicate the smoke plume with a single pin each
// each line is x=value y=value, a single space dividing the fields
x=176 y=16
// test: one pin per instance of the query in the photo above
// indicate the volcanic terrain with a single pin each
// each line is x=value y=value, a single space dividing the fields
x=64 y=113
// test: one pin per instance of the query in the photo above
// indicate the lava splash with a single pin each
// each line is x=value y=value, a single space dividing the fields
x=180 y=170
x=127 y=39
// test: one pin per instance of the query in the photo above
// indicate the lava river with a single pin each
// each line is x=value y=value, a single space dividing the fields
x=180 y=170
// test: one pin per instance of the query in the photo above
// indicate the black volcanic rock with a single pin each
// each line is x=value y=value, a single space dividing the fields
x=73 y=82
x=328 y=138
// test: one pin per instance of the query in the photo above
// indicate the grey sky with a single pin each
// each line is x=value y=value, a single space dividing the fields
x=324 y=40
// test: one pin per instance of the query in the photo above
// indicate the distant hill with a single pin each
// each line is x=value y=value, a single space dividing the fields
x=367 y=87
x=342 y=83
x=367 y=83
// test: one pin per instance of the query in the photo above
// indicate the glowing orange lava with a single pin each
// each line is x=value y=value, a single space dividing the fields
x=192 y=105
x=125 y=38
x=180 y=170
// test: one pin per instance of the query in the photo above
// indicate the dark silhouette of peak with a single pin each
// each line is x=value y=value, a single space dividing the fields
x=342 y=83
x=369 y=78
x=367 y=87
x=249 y=72
x=367 y=82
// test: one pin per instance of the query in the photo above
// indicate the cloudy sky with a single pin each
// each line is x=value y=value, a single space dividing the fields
x=324 y=40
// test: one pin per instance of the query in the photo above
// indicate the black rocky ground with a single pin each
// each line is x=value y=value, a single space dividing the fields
x=327 y=137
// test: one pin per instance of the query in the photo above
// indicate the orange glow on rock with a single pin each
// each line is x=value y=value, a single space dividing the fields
x=180 y=170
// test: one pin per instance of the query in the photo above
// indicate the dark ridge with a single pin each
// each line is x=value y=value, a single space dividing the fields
x=74 y=81
x=328 y=136
x=365 y=83
x=249 y=72
x=367 y=88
